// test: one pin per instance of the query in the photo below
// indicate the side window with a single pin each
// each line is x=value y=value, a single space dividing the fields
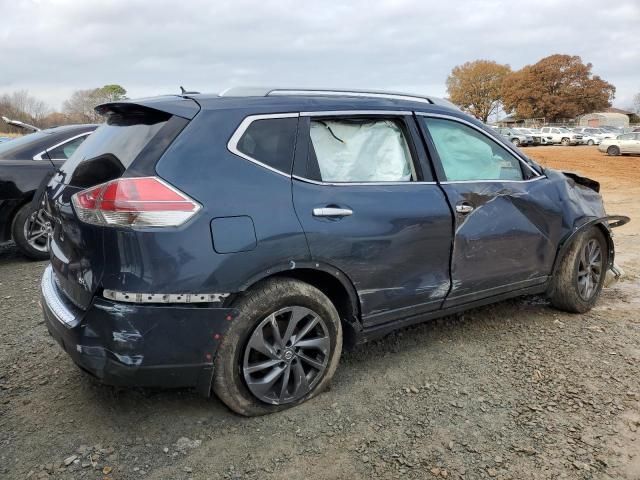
x=467 y=154
x=360 y=150
x=64 y=151
x=270 y=141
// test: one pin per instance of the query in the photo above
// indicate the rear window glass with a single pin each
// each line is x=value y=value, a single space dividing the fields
x=64 y=151
x=270 y=141
x=7 y=148
x=120 y=140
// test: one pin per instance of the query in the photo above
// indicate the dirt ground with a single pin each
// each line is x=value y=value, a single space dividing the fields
x=511 y=391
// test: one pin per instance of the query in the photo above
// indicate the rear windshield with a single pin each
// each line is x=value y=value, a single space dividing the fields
x=117 y=142
x=6 y=148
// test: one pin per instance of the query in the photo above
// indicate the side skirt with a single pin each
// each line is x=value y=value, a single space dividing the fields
x=378 y=331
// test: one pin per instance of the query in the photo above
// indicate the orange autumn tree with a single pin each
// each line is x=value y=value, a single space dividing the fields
x=476 y=87
x=557 y=87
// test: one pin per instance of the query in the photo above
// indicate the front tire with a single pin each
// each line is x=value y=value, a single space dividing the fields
x=281 y=350
x=591 y=143
x=579 y=279
x=516 y=142
x=613 y=151
x=30 y=230
x=565 y=142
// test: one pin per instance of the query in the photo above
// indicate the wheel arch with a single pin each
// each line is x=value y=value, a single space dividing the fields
x=10 y=214
x=605 y=224
x=330 y=280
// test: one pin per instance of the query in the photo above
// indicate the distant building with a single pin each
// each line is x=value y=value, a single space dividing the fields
x=609 y=119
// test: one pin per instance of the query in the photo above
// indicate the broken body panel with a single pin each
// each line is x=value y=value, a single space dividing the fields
x=404 y=256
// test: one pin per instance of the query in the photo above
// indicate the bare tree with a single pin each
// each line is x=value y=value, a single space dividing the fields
x=21 y=106
x=80 y=107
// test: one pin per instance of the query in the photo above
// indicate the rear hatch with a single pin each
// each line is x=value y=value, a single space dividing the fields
x=130 y=143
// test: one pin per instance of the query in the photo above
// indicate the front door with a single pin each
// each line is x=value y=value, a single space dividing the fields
x=370 y=208
x=505 y=218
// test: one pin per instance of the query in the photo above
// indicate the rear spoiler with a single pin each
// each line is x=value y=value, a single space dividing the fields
x=19 y=124
x=172 y=104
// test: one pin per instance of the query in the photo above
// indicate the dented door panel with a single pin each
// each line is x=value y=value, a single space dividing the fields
x=511 y=237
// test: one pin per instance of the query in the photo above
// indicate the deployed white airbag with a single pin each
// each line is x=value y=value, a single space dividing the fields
x=361 y=151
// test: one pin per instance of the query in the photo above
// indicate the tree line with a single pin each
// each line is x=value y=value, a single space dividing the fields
x=78 y=108
x=555 y=88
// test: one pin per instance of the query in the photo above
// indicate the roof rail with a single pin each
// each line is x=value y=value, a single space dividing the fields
x=271 y=91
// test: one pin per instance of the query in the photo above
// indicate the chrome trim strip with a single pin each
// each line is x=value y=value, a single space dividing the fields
x=232 y=144
x=54 y=301
x=534 y=179
x=39 y=155
x=129 y=297
x=495 y=139
x=336 y=113
x=349 y=93
x=351 y=184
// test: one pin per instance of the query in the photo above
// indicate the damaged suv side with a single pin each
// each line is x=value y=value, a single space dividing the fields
x=232 y=242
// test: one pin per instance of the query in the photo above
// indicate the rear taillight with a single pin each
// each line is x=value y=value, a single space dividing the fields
x=134 y=202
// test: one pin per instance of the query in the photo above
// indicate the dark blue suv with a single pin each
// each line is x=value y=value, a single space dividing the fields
x=233 y=242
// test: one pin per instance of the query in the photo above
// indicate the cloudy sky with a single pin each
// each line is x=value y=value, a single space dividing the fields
x=52 y=47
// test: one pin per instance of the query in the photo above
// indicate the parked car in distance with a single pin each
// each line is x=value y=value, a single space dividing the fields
x=626 y=143
x=233 y=242
x=561 y=135
x=588 y=138
x=535 y=135
x=515 y=137
x=26 y=163
x=636 y=129
x=594 y=132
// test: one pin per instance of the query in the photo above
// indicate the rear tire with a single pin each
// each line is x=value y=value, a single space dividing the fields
x=516 y=142
x=590 y=143
x=277 y=300
x=29 y=231
x=565 y=142
x=613 y=151
x=579 y=279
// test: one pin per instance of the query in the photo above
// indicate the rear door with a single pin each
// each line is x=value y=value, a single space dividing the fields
x=504 y=226
x=629 y=143
x=370 y=208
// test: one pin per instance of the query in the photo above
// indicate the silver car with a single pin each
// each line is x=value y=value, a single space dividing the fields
x=627 y=143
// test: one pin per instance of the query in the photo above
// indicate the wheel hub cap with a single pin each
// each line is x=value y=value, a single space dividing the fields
x=37 y=230
x=286 y=355
x=589 y=269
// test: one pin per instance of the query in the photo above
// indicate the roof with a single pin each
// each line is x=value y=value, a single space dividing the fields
x=340 y=92
x=610 y=115
x=618 y=110
x=259 y=100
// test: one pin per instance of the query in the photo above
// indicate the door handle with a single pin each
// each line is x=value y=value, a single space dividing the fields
x=332 y=212
x=464 y=208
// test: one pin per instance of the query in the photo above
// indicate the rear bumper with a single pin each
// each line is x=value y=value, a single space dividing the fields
x=137 y=345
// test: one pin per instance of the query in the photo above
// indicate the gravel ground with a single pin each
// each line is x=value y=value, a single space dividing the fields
x=515 y=390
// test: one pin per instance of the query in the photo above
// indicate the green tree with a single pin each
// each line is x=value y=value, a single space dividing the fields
x=477 y=87
x=112 y=93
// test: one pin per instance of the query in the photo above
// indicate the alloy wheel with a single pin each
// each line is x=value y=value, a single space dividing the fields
x=589 y=269
x=286 y=355
x=36 y=230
